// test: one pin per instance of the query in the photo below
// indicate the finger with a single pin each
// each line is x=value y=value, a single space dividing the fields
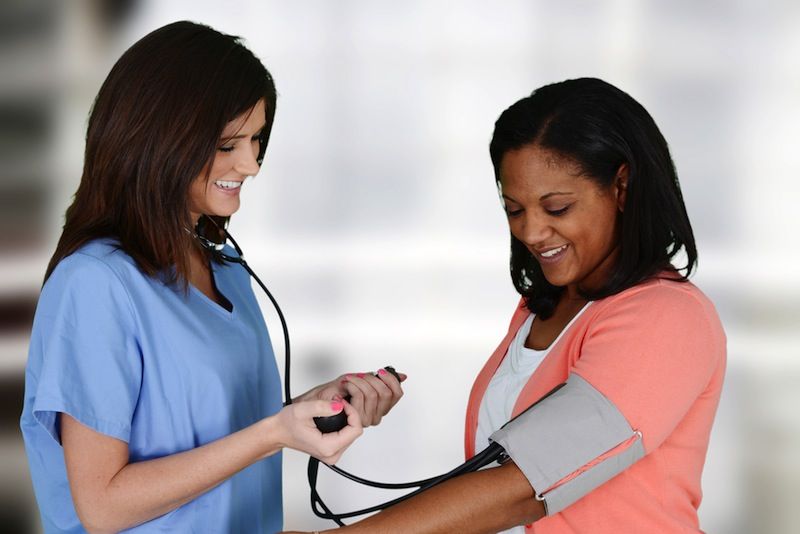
x=400 y=376
x=372 y=396
x=341 y=384
x=319 y=408
x=336 y=442
x=386 y=395
x=363 y=397
x=353 y=417
x=326 y=391
x=331 y=391
x=394 y=386
x=378 y=384
x=342 y=438
x=391 y=382
x=352 y=392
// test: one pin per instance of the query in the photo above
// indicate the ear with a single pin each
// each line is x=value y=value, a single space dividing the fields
x=621 y=186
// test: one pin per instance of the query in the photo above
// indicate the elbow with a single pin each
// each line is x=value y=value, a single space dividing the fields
x=93 y=529
x=96 y=527
x=524 y=506
x=530 y=511
x=96 y=518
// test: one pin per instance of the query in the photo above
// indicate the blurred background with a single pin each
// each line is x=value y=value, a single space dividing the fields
x=375 y=219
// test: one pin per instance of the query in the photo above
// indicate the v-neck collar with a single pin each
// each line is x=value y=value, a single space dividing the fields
x=219 y=308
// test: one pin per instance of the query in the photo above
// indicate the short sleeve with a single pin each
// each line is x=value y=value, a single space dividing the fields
x=91 y=366
x=652 y=354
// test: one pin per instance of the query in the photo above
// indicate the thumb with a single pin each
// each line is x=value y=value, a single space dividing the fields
x=326 y=408
x=353 y=418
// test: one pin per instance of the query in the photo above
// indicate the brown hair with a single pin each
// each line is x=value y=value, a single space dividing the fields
x=154 y=128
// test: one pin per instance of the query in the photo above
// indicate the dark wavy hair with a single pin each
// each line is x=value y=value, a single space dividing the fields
x=155 y=126
x=599 y=127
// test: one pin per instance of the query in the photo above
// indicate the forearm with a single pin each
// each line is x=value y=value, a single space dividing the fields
x=144 y=490
x=486 y=501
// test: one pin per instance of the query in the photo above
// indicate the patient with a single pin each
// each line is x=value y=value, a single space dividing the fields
x=597 y=220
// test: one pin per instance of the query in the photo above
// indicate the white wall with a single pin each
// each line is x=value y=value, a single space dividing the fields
x=376 y=223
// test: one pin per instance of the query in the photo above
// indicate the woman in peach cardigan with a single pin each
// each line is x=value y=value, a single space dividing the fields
x=625 y=356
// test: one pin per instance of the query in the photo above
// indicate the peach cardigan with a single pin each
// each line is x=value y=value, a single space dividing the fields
x=657 y=351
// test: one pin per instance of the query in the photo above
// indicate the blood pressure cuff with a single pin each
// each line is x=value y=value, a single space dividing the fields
x=569 y=443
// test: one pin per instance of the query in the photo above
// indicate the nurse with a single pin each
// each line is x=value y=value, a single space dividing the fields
x=152 y=396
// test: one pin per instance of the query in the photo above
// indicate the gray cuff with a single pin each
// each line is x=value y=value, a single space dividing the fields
x=563 y=433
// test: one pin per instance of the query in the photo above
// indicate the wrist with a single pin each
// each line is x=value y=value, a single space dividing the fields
x=311 y=394
x=272 y=435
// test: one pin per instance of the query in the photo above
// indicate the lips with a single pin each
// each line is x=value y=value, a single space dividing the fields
x=551 y=255
x=228 y=184
x=228 y=187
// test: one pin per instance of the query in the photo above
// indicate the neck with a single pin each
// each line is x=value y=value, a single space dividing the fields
x=598 y=278
x=198 y=262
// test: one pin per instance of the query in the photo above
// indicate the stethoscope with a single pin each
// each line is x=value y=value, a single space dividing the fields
x=492 y=453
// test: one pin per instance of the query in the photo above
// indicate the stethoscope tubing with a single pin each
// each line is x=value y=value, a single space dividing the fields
x=492 y=453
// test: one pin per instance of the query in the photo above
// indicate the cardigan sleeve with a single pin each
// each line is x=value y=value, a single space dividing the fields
x=652 y=354
x=646 y=357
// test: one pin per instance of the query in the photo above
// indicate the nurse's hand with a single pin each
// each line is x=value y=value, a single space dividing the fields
x=298 y=431
x=371 y=394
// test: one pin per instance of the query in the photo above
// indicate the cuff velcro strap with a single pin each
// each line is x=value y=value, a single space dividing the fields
x=569 y=443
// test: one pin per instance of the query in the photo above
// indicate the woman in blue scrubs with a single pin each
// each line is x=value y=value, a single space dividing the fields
x=152 y=396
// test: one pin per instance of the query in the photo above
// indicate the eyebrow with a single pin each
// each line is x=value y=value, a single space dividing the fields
x=543 y=197
x=554 y=193
x=242 y=136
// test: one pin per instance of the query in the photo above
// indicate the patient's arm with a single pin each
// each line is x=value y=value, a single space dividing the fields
x=485 y=501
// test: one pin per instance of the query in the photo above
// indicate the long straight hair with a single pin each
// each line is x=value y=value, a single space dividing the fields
x=599 y=127
x=154 y=128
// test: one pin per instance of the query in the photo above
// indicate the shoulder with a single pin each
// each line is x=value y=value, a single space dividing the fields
x=661 y=304
x=98 y=270
x=663 y=293
x=103 y=258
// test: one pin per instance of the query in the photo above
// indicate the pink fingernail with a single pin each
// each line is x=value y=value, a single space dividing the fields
x=383 y=372
x=337 y=406
x=360 y=375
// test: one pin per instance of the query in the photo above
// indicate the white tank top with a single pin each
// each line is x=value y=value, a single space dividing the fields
x=511 y=376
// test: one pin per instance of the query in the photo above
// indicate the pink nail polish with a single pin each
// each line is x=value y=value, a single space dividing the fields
x=337 y=406
x=360 y=375
x=382 y=372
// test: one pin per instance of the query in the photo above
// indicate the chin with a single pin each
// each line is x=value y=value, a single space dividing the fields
x=558 y=279
x=223 y=211
x=556 y=282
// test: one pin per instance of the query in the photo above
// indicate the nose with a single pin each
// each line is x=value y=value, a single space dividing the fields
x=533 y=229
x=246 y=162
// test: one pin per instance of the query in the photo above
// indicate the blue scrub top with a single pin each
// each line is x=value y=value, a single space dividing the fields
x=159 y=368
